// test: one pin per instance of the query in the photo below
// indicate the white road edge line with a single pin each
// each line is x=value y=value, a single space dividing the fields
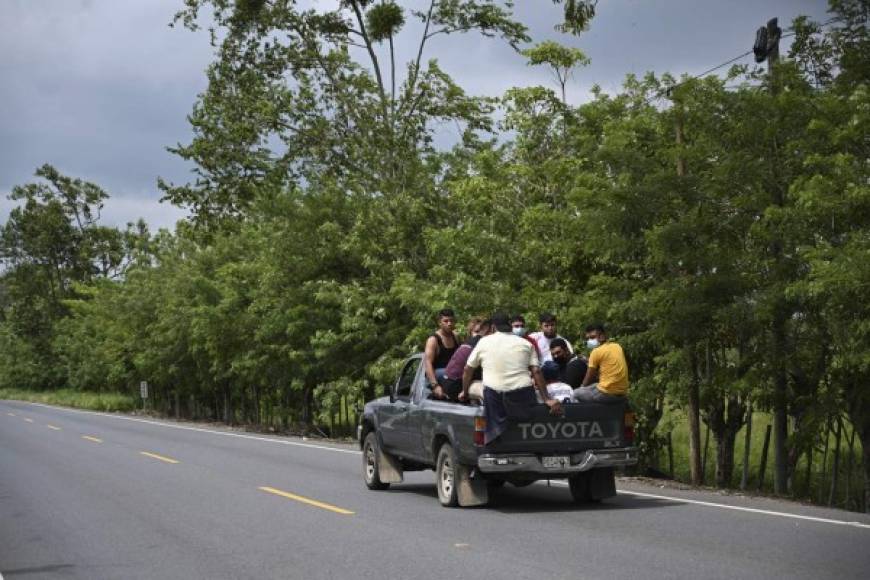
x=732 y=507
x=201 y=430
x=355 y=452
x=750 y=510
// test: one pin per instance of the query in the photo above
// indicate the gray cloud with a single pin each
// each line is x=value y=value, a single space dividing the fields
x=99 y=88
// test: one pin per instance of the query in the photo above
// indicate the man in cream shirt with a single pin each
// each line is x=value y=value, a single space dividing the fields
x=510 y=365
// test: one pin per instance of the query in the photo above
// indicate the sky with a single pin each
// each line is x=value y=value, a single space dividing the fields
x=100 y=88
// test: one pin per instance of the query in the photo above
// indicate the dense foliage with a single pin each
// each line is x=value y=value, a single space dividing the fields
x=719 y=227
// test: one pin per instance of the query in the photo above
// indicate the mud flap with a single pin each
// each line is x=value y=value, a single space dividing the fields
x=593 y=485
x=602 y=484
x=471 y=492
x=389 y=468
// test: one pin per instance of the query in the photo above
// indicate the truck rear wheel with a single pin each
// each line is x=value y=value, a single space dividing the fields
x=445 y=476
x=495 y=483
x=371 y=473
x=522 y=482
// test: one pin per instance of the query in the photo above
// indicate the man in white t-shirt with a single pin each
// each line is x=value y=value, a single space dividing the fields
x=545 y=335
x=509 y=362
x=510 y=367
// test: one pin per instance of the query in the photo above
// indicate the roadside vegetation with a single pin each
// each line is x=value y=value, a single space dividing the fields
x=813 y=478
x=719 y=226
x=109 y=402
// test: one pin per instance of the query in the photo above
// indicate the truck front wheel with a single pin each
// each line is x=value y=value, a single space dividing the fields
x=371 y=473
x=445 y=476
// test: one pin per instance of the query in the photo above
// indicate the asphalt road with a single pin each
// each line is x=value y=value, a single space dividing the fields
x=91 y=496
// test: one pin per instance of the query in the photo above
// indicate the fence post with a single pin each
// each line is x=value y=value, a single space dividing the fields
x=824 y=461
x=849 y=462
x=835 y=471
x=744 y=477
x=704 y=460
x=764 y=458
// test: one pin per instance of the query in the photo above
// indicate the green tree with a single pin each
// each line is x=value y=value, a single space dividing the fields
x=50 y=242
x=562 y=60
x=832 y=199
x=339 y=119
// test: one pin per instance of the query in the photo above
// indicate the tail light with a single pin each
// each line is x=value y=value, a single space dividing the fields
x=479 y=429
x=628 y=431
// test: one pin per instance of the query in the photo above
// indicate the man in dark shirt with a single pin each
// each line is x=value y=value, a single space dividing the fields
x=451 y=382
x=440 y=346
x=572 y=368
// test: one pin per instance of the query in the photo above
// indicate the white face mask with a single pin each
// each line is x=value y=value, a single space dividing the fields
x=592 y=342
x=519 y=330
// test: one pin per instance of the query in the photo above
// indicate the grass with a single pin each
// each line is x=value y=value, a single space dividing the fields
x=679 y=427
x=76 y=399
x=677 y=423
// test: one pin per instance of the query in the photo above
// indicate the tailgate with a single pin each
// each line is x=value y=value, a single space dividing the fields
x=581 y=427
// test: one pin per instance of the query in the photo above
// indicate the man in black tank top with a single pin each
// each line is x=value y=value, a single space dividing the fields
x=440 y=346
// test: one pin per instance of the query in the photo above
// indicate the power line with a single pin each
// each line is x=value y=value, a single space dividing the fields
x=718 y=66
x=727 y=62
x=668 y=90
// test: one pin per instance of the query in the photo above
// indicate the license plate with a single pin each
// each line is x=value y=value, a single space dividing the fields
x=556 y=462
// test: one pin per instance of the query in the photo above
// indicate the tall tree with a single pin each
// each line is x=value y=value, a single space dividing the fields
x=832 y=199
x=316 y=82
x=51 y=241
x=562 y=61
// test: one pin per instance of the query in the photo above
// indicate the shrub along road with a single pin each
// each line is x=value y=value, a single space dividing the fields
x=89 y=495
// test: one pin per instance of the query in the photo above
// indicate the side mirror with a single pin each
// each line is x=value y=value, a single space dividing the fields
x=390 y=391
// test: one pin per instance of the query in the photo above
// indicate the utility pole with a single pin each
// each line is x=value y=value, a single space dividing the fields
x=767 y=48
x=694 y=409
x=678 y=131
x=695 y=465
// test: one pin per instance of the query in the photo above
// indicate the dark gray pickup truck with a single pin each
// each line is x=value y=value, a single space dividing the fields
x=407 y=431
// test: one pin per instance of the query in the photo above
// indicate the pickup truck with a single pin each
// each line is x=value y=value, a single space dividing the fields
x=406 y=430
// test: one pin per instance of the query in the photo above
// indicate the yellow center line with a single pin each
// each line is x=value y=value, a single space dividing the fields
x=160 y=457
x=94 y=439
x=52 y=427
x=28 y=419
x=308 y=501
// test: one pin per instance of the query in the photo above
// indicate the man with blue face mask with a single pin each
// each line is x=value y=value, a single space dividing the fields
x=606 y=379
x=518 y=327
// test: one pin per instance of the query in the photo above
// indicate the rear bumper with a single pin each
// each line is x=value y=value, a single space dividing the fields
x=529 y=463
